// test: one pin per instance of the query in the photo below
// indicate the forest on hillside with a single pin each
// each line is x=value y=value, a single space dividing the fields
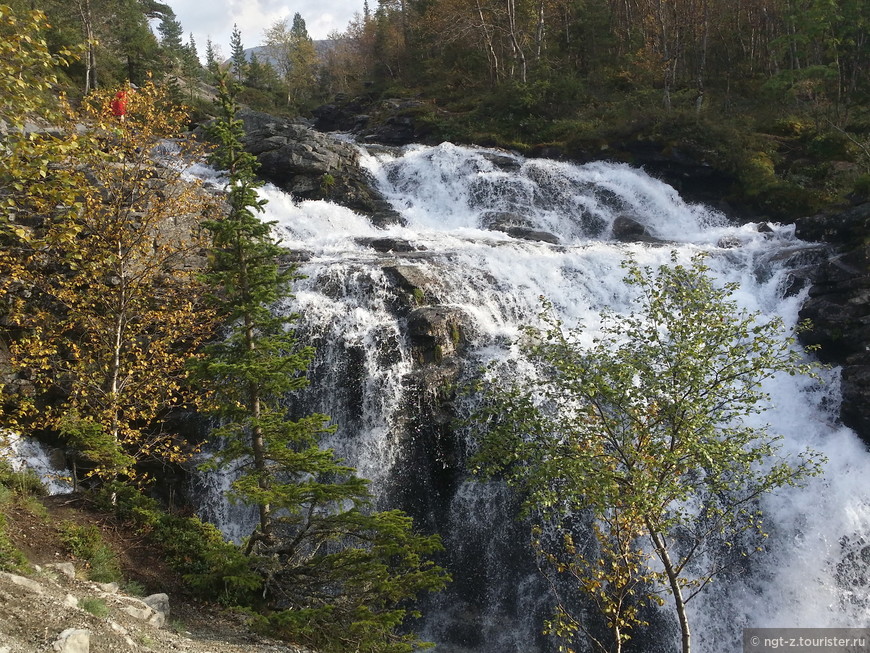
x=774 y=93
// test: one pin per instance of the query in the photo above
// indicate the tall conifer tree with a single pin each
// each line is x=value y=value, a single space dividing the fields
x=237 y=54
x=340 y=571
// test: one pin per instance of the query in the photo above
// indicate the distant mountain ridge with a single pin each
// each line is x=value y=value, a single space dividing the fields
x=321 y=47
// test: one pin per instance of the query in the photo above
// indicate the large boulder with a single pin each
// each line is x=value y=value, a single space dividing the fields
x=73 y=640
x=312 y=165
x=628 y=230
x=436 y=333
x=393 y=121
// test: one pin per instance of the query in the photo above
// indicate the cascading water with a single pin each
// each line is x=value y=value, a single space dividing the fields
x=454 y=251
x=26 y=453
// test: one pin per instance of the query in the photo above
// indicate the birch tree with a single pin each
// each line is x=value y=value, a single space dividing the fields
x=105 y=307
x=648 y=431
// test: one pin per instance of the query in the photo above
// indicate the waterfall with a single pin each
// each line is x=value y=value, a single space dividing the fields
x=486 y=234
x=26 y=453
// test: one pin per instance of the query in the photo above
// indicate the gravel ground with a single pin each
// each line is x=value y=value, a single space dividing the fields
x=35 y=610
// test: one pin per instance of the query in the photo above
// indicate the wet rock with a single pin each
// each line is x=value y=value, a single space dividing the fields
x=503 y=220
x=838 y=307
x=522 y=233
x=729 y=242
x=436 y=332
x=515 y=225
x=433 y=453
x=387 y=245
x=414 y=285
x=629 y=230
x=503 y=161
x=312 y=165
x=293 y=256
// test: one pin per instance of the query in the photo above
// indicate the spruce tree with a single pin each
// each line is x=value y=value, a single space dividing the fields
x=211 y=57
x=254 y=77
x=339 y=572
x=170 y=31
x=237 y=54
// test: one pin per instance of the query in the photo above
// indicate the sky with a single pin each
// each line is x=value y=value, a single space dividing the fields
x=215 y=18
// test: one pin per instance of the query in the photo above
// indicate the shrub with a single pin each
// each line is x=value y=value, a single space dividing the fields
x=211 y=567
x=862 y=186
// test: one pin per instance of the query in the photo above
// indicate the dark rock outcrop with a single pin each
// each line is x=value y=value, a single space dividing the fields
x=629 y=230
x=394 y=121
x=389 y=245
x=436 y=333
x=438 y=336
x=312 y=165
x=839 y=306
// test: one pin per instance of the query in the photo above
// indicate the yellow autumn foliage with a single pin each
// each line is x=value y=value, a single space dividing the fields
x=100 y=243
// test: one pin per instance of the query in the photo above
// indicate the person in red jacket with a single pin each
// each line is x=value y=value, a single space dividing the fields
x=119 y=105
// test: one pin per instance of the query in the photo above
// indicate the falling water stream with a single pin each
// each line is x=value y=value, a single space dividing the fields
x=815 y=569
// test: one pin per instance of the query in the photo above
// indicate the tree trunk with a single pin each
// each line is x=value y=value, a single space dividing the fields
x=84 y=7
x=490 y=49
x=539 y=32
x=114 y=379
x=519 y=55
x=258 y=444
x=674 y=581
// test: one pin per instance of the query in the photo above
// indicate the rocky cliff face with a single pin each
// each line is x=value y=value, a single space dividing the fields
x=839 y=306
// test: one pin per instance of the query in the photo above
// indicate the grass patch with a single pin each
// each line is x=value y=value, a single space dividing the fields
x=17 y=488
x=133 y=588
x=86 y=543
x=22 y=483
x=96 y=607
x=11 y=559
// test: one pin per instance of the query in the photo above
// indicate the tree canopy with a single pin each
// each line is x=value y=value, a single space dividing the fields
x=650 y=432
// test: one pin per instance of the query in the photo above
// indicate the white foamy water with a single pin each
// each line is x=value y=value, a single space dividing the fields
x=26 y=453
x=815 y=569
